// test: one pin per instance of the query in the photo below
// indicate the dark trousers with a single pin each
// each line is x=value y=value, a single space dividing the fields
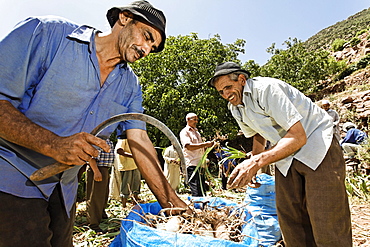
x=96 y=196
x=312 y=206
x=35 y=222
x=197 y=184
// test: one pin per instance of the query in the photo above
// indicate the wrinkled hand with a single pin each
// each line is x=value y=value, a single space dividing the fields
x=244 y=174
x=77 y=149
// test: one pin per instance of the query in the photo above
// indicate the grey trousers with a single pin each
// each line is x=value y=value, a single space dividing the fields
x=312 y=206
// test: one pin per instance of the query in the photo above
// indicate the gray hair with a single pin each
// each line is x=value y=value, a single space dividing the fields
x=233 y=76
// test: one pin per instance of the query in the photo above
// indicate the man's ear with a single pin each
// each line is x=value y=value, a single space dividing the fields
x=243 y=79
x=125 y=17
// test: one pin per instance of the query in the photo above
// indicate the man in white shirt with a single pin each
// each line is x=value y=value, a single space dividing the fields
x=193 y=148
x=311 y=198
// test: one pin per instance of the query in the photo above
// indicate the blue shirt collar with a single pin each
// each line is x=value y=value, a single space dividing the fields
x=87 y=34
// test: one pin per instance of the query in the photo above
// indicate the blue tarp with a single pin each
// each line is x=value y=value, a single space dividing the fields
x=260 y=203
x=135 y=234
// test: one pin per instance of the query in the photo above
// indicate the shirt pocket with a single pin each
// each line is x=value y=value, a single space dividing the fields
x=106 y=111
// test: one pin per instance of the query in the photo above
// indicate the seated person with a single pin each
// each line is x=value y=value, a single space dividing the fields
x=353 y=139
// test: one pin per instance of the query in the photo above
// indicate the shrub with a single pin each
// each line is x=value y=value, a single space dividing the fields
x=355 y=41
x=361 y=32
x=345 y=72
x=338 y=44
x=364 y=62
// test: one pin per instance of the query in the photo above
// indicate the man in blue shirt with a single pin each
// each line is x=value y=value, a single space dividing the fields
x=353 y=139
x=58 y=81
x=311 y=199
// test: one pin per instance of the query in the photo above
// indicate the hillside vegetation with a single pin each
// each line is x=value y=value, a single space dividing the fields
x=346 y=29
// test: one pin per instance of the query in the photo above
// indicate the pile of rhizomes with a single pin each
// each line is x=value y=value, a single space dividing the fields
x=222 y=222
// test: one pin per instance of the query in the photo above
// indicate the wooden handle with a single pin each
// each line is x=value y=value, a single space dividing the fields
x=48 y=171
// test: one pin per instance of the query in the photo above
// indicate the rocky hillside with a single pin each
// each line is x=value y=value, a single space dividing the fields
x=353 y=54
x=351 y=95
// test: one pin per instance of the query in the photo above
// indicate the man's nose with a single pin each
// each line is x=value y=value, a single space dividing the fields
x=146 y=49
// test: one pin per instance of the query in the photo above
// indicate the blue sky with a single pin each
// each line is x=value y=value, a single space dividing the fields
x=259 y=22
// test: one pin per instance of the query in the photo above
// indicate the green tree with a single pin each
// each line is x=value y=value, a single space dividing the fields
x=174 y=83
x=253 y=68
x=300 y=67
x=338 y=45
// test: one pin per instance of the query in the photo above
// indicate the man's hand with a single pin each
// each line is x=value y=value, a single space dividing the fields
x=244 y=174
x=122 y=152
x=72 y=150
x=77 y=149
x=209 y=144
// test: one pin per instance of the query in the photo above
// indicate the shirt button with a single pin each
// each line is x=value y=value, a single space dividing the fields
x=92 y=112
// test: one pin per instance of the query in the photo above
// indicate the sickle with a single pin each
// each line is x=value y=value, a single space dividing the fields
x=53 y=169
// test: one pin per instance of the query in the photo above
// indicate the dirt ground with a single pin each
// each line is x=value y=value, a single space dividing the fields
x=360 y=212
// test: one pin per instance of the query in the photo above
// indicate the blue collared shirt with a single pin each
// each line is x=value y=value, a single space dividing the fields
x=50 y=72
x=271 y=107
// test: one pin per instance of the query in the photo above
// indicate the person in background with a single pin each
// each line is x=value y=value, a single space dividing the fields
x=325 y=104
x=58 y=81
x=97 y=188
x=353 y=139
x=311 y=198
x=172 y=166
x=130 y=174
x=193 y=148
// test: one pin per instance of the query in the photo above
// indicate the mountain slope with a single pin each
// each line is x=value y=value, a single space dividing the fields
x=346 y=29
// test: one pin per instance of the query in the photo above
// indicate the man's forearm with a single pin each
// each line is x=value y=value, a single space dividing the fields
x=259 y=144
x=72 y=150
x=17 y=128
x=289 y=144
x=147 y=161
x=195 y=146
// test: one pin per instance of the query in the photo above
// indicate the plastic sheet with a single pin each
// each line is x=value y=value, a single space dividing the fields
x=261 y=203
x=261 y=224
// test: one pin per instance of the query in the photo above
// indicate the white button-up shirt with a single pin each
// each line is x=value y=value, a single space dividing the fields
x=189 y=135
x=271 y=107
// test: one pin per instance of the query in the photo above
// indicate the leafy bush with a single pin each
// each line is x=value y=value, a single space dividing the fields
x=355 y=41
x=81 y=190
x=361 y=32
x=364 y=62
x=338 y=45
x=345 y=72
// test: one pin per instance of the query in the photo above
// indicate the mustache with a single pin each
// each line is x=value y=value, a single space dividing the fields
x=139 y=51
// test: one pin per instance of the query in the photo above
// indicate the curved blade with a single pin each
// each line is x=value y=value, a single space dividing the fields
x=53 y=169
